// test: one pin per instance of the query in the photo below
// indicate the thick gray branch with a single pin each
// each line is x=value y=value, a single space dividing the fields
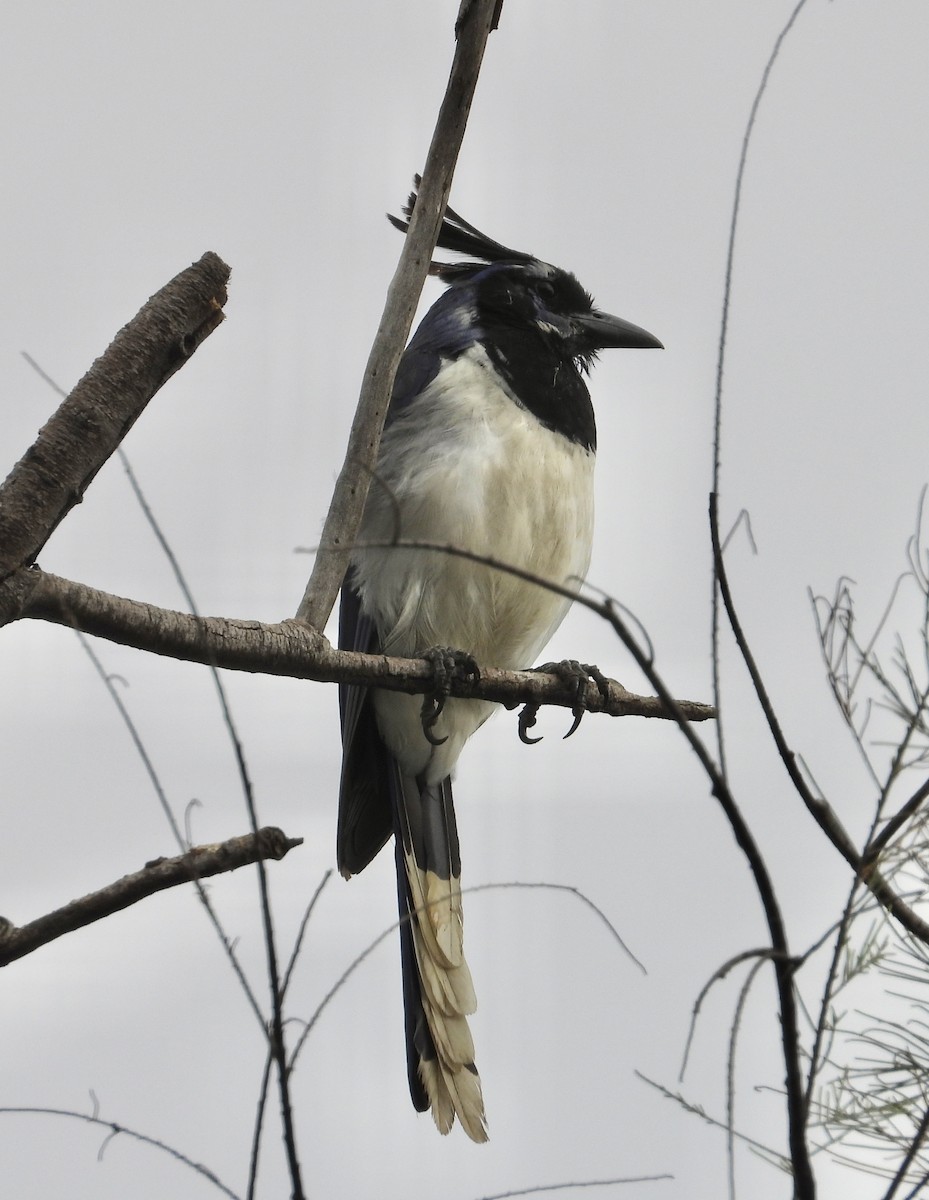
x=156 y=876
x=90 y=423
x=298 y=651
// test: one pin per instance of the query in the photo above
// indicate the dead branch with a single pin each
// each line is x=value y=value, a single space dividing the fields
x=155 y=876
x=89 y=424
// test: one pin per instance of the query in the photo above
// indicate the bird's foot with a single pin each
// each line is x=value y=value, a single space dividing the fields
x=447 y=665
x=575 y=675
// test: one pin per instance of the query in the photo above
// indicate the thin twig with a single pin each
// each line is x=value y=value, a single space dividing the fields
x=576 y=1183
x=481 y=887
x=182 y=841
x=804 y=1182
x=766 y=1151
x=730 y=1070
x=819 y=809
x=261 y=1104
x=878 y=843
x=912 y=1150
x=260 y=1107
x=719 y=974
x=115 y=1129
x=276 y=1029
x=721 y=352
x=829 y=988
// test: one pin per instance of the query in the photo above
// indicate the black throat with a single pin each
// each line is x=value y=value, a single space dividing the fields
x=550 y=387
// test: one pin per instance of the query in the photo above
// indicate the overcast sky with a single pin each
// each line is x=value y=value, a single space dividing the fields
x=605 y=138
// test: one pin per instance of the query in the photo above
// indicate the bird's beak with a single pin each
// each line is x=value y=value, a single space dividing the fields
x=604 y=331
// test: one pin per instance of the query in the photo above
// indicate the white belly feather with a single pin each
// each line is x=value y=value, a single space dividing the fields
x=473 y=469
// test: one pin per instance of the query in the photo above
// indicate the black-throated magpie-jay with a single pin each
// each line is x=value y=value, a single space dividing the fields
x=489 y=446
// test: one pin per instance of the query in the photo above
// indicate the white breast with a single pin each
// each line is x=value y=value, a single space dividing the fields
x=468 y=466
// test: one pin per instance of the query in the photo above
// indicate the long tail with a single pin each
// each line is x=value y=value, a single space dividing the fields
x=438 y=993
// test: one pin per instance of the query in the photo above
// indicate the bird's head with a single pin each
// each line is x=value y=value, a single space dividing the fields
x=517 y=292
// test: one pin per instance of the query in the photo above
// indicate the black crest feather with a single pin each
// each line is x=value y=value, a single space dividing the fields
x=461 y=237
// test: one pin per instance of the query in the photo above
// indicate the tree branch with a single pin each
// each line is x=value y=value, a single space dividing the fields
x=297 y=651
x=156 y=876
x=821 y=811
x=878 y=844
x=198 y=863
x=475 y=21
x=89 y=424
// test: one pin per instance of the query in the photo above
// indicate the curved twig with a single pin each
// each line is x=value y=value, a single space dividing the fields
x=386 y=933
x=114 y=1129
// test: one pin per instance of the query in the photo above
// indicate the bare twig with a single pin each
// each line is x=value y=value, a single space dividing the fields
x=723 y=333
x=766 y=1152
x=730 y=1069
x=575 y=1183
x=155 y=876
x=275 y=1030
x=116 y=1129
x=563 y=888
x=830 y=986
x=804 y=1182
x=906 y=1162
x=720 y=973
x=182 y=840
x=261 y=1106
x=262 y=1101
x=902 y=817
x=822 y=812
x=301 y=932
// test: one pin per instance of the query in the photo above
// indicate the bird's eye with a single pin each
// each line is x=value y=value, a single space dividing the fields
x=546 y=290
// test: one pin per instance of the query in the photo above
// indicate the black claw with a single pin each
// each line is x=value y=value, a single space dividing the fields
x=575 y=724
x=429 y=713
x=447 y=664
x=527 y=719
x=577 y=675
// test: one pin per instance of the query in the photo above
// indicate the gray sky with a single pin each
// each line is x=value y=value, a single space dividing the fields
x=605 y=138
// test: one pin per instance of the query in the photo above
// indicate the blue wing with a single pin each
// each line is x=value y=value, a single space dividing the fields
x=365 y=816
x=365 y=820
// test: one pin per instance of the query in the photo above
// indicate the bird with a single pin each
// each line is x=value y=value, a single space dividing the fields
x=488 y=446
